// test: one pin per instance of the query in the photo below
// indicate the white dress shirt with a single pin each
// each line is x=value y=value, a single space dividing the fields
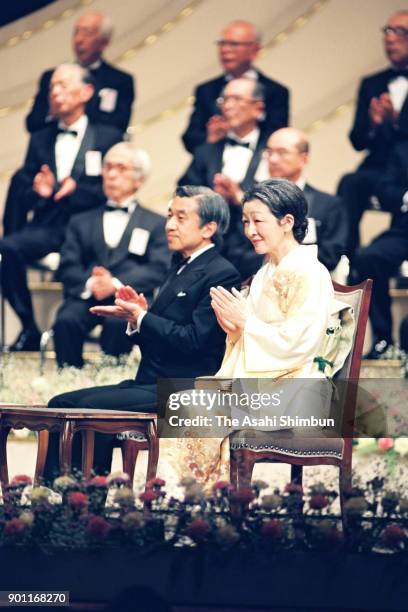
x=67 y=146
x=398 y=88
x=236 y=158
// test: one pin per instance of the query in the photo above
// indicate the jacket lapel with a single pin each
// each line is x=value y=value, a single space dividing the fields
x=101 y=249
x=309 y=195
x=87 y=144
x=253 y=164
x=215 y=161
x=184 y=281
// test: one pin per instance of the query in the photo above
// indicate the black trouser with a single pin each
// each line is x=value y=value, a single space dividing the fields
x=18 y=250
x=127 y=395
x=379 y=261
x=15 y=209
x=73 y=324
x=356 y=190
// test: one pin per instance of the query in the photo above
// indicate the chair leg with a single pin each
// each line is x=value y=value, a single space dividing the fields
x=88 y=449
x=42 y=449
x=153 y=458
x=345 y=483
x=296 y=474
x=130 y=451
x=4 y=479
x=65 y=447
x=245 y=467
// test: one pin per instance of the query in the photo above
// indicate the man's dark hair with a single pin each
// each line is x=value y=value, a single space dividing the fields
x=211 y=207
x=282 y=197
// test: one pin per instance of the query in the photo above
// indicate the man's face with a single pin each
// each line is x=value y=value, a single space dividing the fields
x=119 y=176
x=239 y=107
x=237 y=48
x=396 y=44
x=87 y=41
x=68 y=94
x=183 y=230
x=284 y=158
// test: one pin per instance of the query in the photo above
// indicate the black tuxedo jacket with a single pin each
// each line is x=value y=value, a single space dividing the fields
x=85 y=247
x=179 y=336
x=380 y=140
x=88 y=193
x=206 y=94
x=106 y=76
x=393 y=184
x=207 y=162
x=331 y=225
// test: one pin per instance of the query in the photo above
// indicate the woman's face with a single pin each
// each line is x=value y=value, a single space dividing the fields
x=263 y=229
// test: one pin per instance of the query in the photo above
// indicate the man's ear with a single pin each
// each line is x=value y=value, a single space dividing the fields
x=87 y=92
x=209 y=229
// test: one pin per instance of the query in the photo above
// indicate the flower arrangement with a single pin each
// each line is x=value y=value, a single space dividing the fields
x=73 y=515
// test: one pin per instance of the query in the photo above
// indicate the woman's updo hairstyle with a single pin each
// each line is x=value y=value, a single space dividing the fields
x=282 y=197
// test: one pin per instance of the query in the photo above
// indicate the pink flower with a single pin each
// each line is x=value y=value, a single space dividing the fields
x=272 y=529
x=148 y=496
x=98 y=527
x=385 y=444
x=98 y=481
x=198 y=530
x=14 y=527
x=244 y=495
x=21 y=480
x=155 y=482
x=318 y=502
x=78 y=500
x=393 y=534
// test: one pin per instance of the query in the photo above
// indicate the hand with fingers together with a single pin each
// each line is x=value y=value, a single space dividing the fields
x=230 y=310
x=128 y=306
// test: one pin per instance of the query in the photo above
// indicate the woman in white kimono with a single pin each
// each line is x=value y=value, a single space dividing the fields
x=280 y=329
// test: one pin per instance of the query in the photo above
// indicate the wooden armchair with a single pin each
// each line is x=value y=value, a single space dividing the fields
x=279 y=446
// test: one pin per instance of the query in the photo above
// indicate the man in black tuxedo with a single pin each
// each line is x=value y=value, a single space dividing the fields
x=179 y=336
x=119 y=244
x=381 y=259
x=287 y=152
x=381 y=121
x=231 y=164
x=238 y=46
x=113 y=96
x=62 y=173
x=110 y=104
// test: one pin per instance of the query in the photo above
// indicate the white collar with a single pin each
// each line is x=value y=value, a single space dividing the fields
x=301 y=182
x=251 y=73
x=131 y=203
x=94 y=65
x=199 y=252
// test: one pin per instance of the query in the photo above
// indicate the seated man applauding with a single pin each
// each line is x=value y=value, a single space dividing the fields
x=120 y=243
x=178 y=334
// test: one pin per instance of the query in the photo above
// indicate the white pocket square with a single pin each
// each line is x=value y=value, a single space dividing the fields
x=181 y=294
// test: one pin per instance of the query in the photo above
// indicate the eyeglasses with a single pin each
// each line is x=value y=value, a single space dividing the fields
x=234 y=44
x=222 y=100
x=399 y=31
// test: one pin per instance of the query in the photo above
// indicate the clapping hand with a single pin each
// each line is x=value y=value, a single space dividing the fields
x=230 y=310
x=128 y=305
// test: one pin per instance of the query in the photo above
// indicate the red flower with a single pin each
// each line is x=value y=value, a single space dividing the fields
x=317 y=502
x=149 y=496
x=244 y=495
x=222 y=485
x=393 y=534
x=198 y=530
x=78 y=500
x=98 y=527
x=155 y=482
x=272 y=529
x=292 y=487
x=14 y=526
x=21 y=480
x=385 y=444
x=98 y=481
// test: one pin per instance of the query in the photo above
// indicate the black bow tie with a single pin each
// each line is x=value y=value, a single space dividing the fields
x=402 y=72
x=111 y=207
x=236 y=143
x=61 y=130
